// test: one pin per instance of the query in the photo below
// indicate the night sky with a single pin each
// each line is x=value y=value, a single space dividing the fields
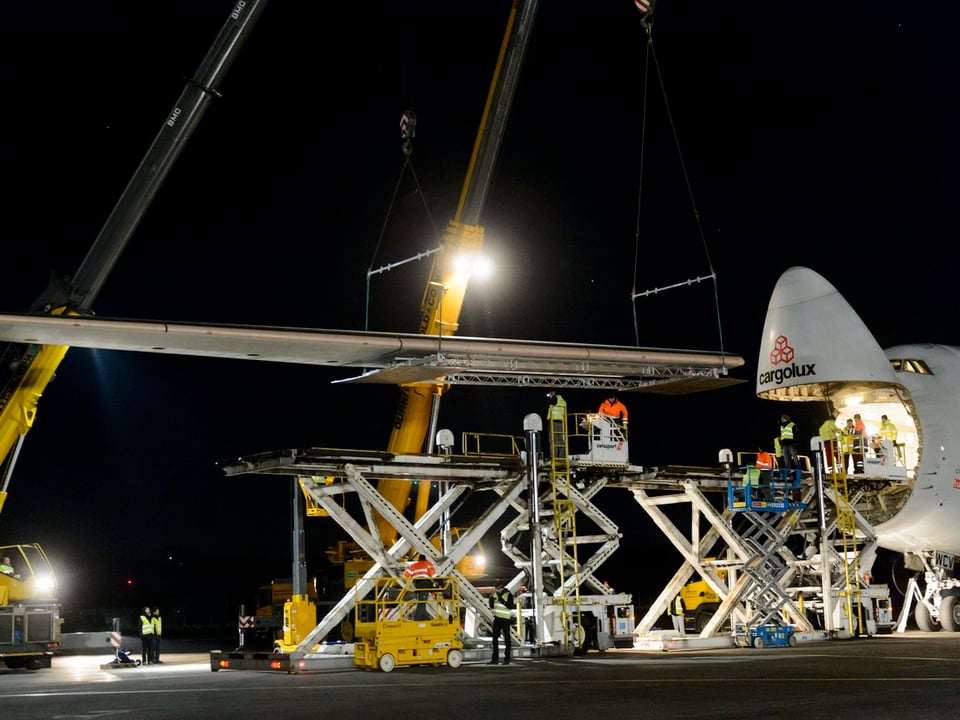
x=810 y=134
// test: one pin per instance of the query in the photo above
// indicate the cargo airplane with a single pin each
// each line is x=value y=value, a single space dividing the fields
x=815 y=348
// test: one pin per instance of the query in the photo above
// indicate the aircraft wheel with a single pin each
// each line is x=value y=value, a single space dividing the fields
x=387 y=662
x=925 y=623
x=950 y=613
x=454 y=658
x=758 y=642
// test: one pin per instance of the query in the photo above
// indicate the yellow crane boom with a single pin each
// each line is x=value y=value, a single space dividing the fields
x=451 y=269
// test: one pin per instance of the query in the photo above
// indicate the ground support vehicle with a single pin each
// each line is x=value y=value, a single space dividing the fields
x=700 y=602
x=280 y=613
x=761 y=636
x=405 y=623
x=592 y=622
x=29 y=612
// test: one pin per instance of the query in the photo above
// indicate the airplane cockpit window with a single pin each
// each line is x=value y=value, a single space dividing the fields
x=914 y=366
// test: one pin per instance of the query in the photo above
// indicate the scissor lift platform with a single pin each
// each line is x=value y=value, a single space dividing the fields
x=409 y=622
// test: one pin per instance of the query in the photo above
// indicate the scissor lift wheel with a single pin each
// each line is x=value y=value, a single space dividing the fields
x=387 y=662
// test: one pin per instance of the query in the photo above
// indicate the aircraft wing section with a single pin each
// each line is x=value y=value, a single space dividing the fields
x=393 y=358
x=813 y=342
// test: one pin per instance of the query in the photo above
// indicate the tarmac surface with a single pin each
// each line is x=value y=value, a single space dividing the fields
x=903 y=676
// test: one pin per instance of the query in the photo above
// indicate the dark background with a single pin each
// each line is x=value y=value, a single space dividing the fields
x=818 y=134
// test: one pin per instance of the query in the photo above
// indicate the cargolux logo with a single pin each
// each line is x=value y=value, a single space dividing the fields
x=782 y=351
x=784 y=354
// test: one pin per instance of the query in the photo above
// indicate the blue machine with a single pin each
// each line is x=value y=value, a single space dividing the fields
x=761 y=636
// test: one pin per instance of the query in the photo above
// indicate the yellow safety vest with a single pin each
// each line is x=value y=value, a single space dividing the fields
x=157 y=623
x=500 y=600
x=888 y=430
x=751 y=476
x=146 y=625
x=786 y=431
x=678 y=605
x=829 y=430
x=846 y=440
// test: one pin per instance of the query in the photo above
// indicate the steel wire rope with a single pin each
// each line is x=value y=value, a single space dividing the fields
x=651 y=54
x=407 y=163
x=407 y=148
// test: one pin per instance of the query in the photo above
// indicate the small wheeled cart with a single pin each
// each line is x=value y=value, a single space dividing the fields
x=761 y=636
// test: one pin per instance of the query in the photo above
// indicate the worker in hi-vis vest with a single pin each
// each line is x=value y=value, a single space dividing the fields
x=157 y=623
x=502 y=603
x=146 y=636
x=612 y=407
x=675 y=610
x=788 y=446
x=829 y=435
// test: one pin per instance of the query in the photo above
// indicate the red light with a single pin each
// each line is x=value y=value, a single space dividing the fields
x=129 y=581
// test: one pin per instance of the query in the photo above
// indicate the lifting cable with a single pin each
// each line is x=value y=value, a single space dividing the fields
x=647 y=23
x=408 y=130
x=408 y=124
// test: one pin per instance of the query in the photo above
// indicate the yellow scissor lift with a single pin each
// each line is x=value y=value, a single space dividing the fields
x=406 y=622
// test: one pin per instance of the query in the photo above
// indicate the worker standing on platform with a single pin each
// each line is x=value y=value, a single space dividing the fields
x=829 y=432
x=675 y=610
x=612 y=407
x=888 y=431
x=765 y=466
x=788 y=432
x=860 y=441
x=853 y=446
x=421 y=571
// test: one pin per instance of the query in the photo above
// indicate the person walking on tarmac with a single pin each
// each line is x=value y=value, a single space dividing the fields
x=157 y=623
x=146 y=636
x=502 y=603
x=675 y=611
x=612 y=407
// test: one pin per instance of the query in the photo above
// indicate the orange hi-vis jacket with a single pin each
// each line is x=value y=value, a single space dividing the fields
x=613 y=409
x=420 y=569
